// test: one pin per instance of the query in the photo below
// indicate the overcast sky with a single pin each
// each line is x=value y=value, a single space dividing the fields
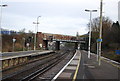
x=57 y=16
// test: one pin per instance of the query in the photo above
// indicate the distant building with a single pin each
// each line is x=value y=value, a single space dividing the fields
x=119 y=12
x=8 y=32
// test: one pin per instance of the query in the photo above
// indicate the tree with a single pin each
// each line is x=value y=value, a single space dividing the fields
x=113 y=36
x=106 y=24
x=22 y=31
x=115 y=32
x=30 y=32
x=96 y=24
x=110 y=37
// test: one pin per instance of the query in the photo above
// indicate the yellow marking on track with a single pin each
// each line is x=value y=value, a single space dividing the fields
x=75 y=75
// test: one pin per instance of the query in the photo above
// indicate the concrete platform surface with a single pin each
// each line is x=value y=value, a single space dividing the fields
x=89 y=70
x=68 y=72
x=71 y=67
x=9 y=55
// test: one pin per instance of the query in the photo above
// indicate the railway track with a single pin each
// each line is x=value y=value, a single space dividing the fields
x=44 y=69
x=24 y=67
x=39 y=69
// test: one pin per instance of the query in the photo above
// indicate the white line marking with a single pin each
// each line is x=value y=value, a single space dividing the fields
x=106 y=58
x=83 y=77
x=111 y=60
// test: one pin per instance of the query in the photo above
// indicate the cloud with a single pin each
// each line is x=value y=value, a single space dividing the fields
x=47 y=24
x=57 y=16
x=56 y=1
x=16 y=22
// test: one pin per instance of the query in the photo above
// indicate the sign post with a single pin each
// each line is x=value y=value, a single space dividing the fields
x=28 y=45
x=14 y=43
x=99 y=40
x=97 y=49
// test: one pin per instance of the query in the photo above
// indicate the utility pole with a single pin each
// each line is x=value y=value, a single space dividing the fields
x=97 y=50
x=100 y=34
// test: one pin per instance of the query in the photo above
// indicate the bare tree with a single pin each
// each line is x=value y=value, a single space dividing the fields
x=22 y=31
x=96 y=24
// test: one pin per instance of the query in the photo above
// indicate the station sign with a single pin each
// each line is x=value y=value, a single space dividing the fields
x=99 y=40
x=14 y=39
x=28 y=44
x=117 y=52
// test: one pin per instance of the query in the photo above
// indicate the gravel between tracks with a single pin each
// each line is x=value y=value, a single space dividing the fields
x=53 y=71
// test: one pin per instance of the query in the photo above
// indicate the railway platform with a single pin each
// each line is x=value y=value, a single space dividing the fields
x=89 y=69
x=11 y=59
x=80 y=68
x=69 y=71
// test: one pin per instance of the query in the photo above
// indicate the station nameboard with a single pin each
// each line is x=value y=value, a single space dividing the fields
x=99 y=40
x=117 y=52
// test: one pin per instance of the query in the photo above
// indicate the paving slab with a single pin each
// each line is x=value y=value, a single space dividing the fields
x=71 y=67
x=90 y=70
x=74 y=62
x=65 y=75
x=77 y=58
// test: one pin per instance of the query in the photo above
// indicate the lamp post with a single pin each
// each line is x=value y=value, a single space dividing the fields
x=36 y=30
x=1 y=13
x=90 y=30
x=0 y=25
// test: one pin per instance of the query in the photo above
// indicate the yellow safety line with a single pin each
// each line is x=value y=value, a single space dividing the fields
x=75 y=75
x=111 y=63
